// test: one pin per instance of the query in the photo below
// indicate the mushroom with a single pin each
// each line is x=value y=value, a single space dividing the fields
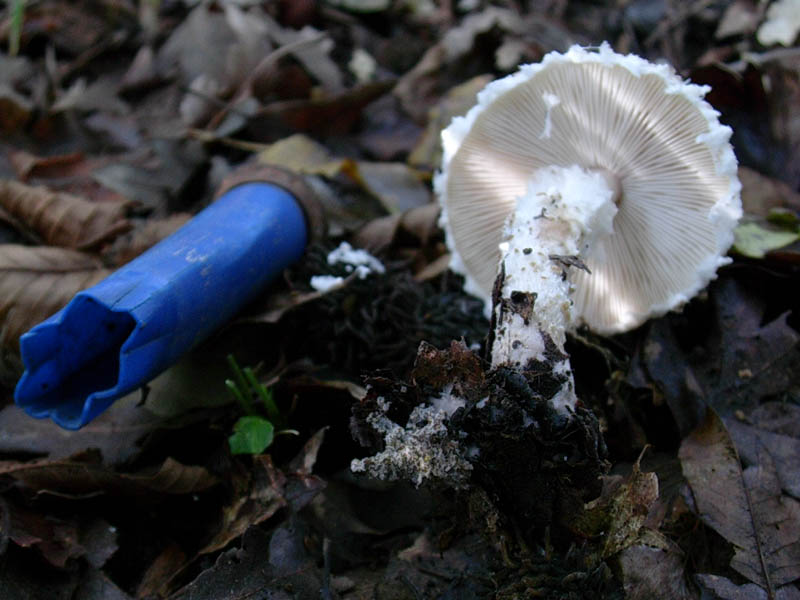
x=592 y=188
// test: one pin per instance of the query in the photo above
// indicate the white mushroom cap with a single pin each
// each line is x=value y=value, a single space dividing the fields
x=638 y=123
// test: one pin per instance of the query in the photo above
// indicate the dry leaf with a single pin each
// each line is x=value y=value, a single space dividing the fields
x=313 y=55
x=27 y=165
x=115 y=433
x=741 y=17
x=337 y=114
x=161 y=571
x=419 y=88
x=756 y=357
x=226 y=55
x=744 y=507
x=784 y=451
x=83 y=474
x=456 y=102
x=396 y=185
x=760 y=193
x=36 y=282
x=416 y=84
x=62 y=539
x=100 y=95
x=418 y=223
x=270 y=490
x=721 y=588
x=61 y=219
x=15 y=109
x=654 y=572
x=301 y=154
x=264 y=498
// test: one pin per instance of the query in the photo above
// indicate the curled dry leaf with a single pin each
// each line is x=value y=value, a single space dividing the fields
x=61 y=219
x=745 y=507
x=35 y=282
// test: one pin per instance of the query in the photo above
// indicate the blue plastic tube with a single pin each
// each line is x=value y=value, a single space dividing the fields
x=114 y=337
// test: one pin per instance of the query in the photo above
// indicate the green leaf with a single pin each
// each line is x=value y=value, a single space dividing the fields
x=754 y=240
x=251 y=435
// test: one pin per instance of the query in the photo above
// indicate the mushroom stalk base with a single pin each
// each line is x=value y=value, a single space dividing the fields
x=562 y=212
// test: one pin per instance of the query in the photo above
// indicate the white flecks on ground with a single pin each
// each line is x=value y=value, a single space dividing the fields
x=357 y=261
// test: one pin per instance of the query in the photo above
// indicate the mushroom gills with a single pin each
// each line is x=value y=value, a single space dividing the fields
x=562 y=213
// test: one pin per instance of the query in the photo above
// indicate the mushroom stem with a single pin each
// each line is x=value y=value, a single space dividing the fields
x=555 y=221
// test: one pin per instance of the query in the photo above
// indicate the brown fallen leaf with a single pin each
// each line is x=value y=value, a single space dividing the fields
x=303 y=155
x=84 y=475
x=721 y=588
x=67 y=26
x=777 y=417
x=264 y=498
x=418 y=224
x=654 y=571
x=337 y=114
x=28 y=165
x=115 y=433
x=270 y=490
x=427 y=153
x=660 y=365
x=747 y=358
x=744 y=506
x=757 y=358
x=419 y=88
x=61 y=219
x=397 y=186
x=161 y=571
x=15 y=109
x=760 y=193
x=62 y=539
x=35 y=282
x=784 y=451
